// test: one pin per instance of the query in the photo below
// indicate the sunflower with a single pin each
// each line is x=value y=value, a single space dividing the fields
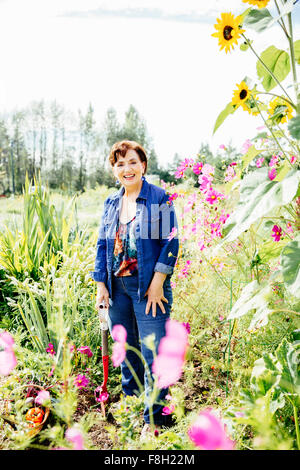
x=245 y=98
x=240 y=95
x=280 y=110
x=228 y=30
x=258 y=3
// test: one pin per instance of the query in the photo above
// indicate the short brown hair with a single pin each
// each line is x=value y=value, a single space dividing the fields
x=121 y=148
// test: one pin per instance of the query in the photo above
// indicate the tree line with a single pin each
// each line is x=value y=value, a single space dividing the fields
x=69 y=150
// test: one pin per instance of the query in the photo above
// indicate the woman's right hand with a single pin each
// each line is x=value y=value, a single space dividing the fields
x=102 y=295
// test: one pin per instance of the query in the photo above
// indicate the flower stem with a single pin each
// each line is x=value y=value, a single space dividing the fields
x=280 y=21
x=292 y=52
x=277 y=96
x=137 y=380
x=296 y=425
x=270 y=129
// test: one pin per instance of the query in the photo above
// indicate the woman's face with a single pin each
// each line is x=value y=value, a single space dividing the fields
x=129 y=169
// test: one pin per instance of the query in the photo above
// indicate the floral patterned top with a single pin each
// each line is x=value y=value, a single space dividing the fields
x=125 y=253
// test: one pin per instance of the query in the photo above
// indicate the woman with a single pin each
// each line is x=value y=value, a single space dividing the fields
x=134 y=263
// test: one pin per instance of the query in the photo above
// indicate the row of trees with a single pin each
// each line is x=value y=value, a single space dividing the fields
x=69 y=150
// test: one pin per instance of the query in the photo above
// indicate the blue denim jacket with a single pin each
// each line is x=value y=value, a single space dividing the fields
x=155 y=219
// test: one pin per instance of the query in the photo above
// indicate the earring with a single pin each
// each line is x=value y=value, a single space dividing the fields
x=117 y=181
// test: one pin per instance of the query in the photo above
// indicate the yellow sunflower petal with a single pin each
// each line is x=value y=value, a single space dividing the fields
x=258 y=3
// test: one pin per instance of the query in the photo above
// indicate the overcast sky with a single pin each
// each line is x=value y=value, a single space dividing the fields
x=155 y=54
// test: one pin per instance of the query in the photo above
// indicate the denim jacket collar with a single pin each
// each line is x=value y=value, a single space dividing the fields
x=143 y=193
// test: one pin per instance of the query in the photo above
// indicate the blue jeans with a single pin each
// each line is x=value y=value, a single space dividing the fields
x=126 y=310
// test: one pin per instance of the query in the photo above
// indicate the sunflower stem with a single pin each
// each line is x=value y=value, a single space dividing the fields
x=280 y=21
x=270 y=129
x=265 y=66
x=278 y=96
x=292 y=52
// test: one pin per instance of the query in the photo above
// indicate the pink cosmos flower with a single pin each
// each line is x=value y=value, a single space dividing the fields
x=173 y=196
x=173 y=234
x=222 y=146
x=187 y=163
x=259 y=162
x=289 y=227
x=168 y=410
x=274 y=160
x=223 y=217
x=212 y=196
x=197 y=168
x=293 y=159
x=229 y=174
x=42 y=397
x=205 y=182
x=50 y=349
x=215 y=230
x=277 y=232
x=85 y=350
x=6 y=341
x=208 y=170
x=103 y=397
x=187 y=327
x=208 y=433
x=221 y=317
x=119 y=354
x=168 y=364
x=173 y=284
x=81 y=381
x=8 y=359
x=119 y=333
x=272 y=174
x=74 y=436
x=185 y=270
x=246 y=145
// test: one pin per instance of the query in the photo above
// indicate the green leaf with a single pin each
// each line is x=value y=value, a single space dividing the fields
x=283 y=171
x=297 y=51
x=253 y=296
x=249 y=156
x=259 y=20
x=294 y=127
x=288 y=358
x=223 y=115
x=290 y=264
x=271 y=249
x=258 y=196
x=278 y=61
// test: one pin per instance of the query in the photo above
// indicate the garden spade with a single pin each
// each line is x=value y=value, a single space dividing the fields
x=102 y=390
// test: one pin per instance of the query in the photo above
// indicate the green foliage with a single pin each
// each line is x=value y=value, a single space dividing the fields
x=278 y=62
x=249 y=156
x=253 y=296
x=258 y=196
x=290 y=265
x=294 y=127
x=229 y=109
x=259 y=20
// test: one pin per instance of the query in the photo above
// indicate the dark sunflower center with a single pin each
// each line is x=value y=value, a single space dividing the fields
x=227 y=32
x=243 y=94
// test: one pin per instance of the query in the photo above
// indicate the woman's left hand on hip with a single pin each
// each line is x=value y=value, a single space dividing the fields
x=155 y=294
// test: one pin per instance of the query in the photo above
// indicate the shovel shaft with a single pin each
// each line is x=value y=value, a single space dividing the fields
x=104 y=342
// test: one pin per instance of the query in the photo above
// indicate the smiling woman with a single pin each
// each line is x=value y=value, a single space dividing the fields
x=134 y=263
